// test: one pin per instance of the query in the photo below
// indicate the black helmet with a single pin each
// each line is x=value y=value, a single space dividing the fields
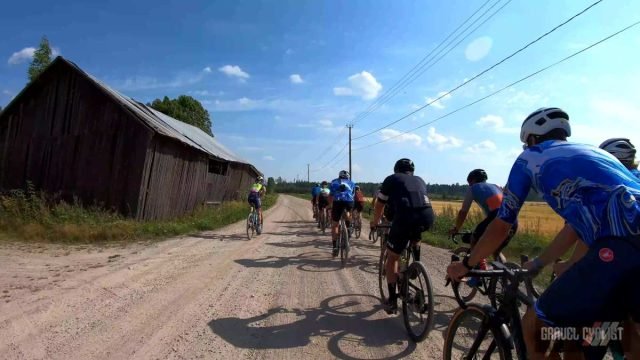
x=324 y=183
x=404 y=165
x=317 y=184
x=477 y=175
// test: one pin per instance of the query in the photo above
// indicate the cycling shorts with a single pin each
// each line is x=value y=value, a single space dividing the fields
x=338 y=207
x=602 y=286
x=482 y=227
x=409 y=228
x=323 y=202
x=359 y=205
x=254 y=200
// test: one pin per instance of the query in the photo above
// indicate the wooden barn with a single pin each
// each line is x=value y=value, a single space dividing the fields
x=70 y=134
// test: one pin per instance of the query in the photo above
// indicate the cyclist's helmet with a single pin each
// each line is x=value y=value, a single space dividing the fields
x=621 y=148
x=344 y=174
x=317 y=184
x=324 y=183
x=357 y=187
x=477 y=176
x=544 y=120
x=259 y=179
x=404 y=165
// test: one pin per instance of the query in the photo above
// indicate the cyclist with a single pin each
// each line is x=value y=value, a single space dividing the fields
x=323 y=198
x=315 y=191
x=624 y=150
x=406 y=194
x=489 y=197
x=598 y=199
x=358 y=204
x=340 y=199
x=255 y=194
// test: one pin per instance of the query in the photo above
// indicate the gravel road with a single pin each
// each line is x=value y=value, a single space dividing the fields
x=213 y=295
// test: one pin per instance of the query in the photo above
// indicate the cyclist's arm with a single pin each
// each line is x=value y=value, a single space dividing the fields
x=377 y=213
x=558 y=247
x=464 y=210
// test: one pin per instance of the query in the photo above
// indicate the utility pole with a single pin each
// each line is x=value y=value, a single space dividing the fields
x=350 y=126
x=308 y=172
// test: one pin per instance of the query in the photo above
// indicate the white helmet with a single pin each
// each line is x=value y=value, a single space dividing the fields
x=344 y=174
x=544 y=120
x=259 y=178
x=621 y=148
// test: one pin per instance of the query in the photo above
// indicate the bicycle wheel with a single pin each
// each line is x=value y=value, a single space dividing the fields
x=322 y=222
x=463 y=292
x=250 y=229
x=357 y=227
x=382 y=277
x=417 y=302
x=469 y=336
x=498 y=286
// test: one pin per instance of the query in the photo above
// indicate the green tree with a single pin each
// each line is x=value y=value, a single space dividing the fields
x=271 y=185
x=41 y=59
x=186 y=109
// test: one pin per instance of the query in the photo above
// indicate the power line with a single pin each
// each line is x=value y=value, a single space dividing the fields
x=422 y=68
x=326 y=151
x=483 y=72
x=333 y=158
x=504 y=88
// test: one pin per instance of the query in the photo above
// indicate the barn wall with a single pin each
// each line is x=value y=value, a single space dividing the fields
x=175 y=179
x=66 y=136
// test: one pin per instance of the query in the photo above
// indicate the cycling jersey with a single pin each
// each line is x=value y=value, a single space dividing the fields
x=359 y=197
x=404 y=193
x=487 y=196
x=636 y=172
x=347 y=192
x=588 y=187
x=257 y=188
x=315 y=191
x=325 y=192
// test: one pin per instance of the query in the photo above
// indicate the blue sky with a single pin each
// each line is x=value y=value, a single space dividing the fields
x=281 y=79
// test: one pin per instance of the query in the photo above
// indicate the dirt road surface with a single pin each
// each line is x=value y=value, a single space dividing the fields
x=213 y=295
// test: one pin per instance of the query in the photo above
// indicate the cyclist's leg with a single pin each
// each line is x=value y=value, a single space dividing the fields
x=336 y=212
x=395 y=245
x=477 y=233
x=258 y=205
x=349 y=207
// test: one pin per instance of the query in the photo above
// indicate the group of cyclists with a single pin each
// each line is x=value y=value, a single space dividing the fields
x=596 y=190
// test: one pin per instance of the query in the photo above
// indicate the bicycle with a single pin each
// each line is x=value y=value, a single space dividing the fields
x=323 y=220
x=415 y=291
x=490 y=287
x=495 y=331
x=253 y=223
x=343 y=238
x=357 y=223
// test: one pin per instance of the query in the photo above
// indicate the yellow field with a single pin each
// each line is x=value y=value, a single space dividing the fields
x=534 y=217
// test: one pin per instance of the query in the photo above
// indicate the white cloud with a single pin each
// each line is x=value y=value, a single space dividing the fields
x=478 y=48
x=490 y=121
x=251 y=148
x=234 y=71
x=442 y=142
x=269 y=157
x=325 y=122
x=207 y=69
x=439 y=104
x=483 y=146
x=363 y=84
x=21 y=56
x=398 y=137
x=240 y=104
x=296 y=79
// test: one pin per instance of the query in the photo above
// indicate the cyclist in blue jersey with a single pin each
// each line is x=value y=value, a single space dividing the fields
x=624 y=150
x=599 y=200
x=342 y=191
x=315 y=191
x=488 y=197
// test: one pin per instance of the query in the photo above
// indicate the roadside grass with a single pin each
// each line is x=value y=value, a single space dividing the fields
x=27 y=216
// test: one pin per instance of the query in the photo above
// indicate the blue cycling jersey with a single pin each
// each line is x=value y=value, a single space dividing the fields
x=588 y=187
x=315 y=191
x=636 y=172
x=346 y=195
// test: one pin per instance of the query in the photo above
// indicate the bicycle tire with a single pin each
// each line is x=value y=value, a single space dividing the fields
x=250 y=226
x=497 y=348
x=382 y=278
x=322 y=222
x=461 y=291
x=344 y=247
x=417 y=299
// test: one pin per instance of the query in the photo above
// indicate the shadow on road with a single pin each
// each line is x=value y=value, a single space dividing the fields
x=234 y=237
x=340 y=318
x=314 y=261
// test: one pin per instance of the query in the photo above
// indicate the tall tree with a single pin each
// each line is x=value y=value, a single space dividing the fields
x=186 y=109
x=41 y=59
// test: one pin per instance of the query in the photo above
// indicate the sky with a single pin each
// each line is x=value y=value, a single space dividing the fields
x=282 y=79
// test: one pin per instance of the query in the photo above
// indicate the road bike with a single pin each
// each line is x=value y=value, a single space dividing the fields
x=357 y=223
x=323 y=220
x=343 y=238
x=414 y=289
x=253 y=223
x=491 y=332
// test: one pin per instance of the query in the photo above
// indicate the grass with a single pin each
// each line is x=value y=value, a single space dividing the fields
x=28 y=216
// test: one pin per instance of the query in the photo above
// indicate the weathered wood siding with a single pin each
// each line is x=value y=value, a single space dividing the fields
x=67 y=137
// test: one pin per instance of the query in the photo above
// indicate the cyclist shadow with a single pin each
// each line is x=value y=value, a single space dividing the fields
x=234 y=237
x=340 y=318
x=315 y=261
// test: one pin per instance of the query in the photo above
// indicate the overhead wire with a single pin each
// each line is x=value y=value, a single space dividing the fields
x=465 y=83
x=503 y=88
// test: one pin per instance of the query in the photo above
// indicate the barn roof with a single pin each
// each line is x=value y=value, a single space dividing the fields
x=163 y=124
